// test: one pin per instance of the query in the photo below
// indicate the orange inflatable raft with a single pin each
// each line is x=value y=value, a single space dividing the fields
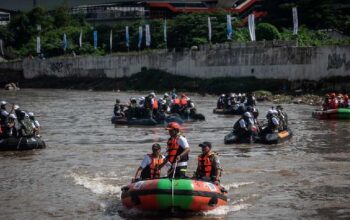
x=173 y=194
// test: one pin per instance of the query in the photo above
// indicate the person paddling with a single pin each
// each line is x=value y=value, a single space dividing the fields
x=177 y=151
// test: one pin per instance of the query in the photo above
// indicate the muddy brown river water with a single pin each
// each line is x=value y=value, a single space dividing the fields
x=87 y=161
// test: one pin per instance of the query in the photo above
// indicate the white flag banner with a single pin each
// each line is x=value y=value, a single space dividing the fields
x=251 y=26
x=127 y=37
x=81 y=39
x=229 y=27
x=295 y=21
x=209 y=29
x=148 y=36
x=165 y=32
x=38 y=46
x=65 y=42
x=140 y=37
x=111 y=41
x=1 y=48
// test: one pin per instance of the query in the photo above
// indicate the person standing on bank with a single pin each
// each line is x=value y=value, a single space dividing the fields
x=177 y=151
x=149 y=167
x=208 y=168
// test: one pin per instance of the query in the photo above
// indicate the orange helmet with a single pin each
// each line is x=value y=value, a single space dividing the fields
x=173 y=125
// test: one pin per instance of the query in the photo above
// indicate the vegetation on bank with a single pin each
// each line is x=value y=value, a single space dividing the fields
x=183 y=31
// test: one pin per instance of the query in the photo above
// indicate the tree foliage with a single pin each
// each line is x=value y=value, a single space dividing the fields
x=183 y=31
x=265 y=31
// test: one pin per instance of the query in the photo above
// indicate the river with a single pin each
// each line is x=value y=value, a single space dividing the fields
x=87 y=161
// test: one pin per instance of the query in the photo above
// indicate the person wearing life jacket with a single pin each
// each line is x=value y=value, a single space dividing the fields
x=346 y=101
x=221 y=103
x=10 y=130
x=183 y=100
x=3 y=113
x=272 y=122
x=118 y=110
x=333 y=103
x=167 y=99
x=149 y=167
x=35 y=124
x=177 y=151
x=175 y=105
x=254 y=111
x=250 y=100
x=325 y=104
x=208 y=167
x=154 y=103
x=245 y=127
x=283 y=118
x=132 y=111
x=25 y=127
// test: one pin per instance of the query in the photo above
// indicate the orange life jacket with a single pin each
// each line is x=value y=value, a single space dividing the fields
x=183 y=102
x=155 y=104
x=176 y=101
x=205 y=165
x=154 y=171
x=174 y=149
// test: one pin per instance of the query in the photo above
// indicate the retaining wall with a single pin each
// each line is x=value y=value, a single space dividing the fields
x=262 y=60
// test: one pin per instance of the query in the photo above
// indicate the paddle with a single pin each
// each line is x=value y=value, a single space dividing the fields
x=172 y=188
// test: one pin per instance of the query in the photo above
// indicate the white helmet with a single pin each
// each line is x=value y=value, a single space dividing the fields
x=152 y=94
x=31 y=114
x=13 y=116
x=15 y=107
x=222 y=95
x=248 y=114
x=3 y=103
x=239 y=94
x=166 y=94
x=271 y=112
x=141 y=98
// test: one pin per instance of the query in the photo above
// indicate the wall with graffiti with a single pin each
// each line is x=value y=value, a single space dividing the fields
x=257 y=60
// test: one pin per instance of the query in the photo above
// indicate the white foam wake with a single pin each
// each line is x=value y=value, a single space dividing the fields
x=96 y=184
x=224 y=210
x=236 y=185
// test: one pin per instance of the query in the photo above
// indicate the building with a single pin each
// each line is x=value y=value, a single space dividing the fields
x=5 y=16
x=150 y=9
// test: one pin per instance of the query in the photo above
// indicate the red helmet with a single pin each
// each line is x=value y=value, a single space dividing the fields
x=172 y=126
x=346 y=97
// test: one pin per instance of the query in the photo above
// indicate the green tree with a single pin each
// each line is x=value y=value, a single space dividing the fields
x=265 y=31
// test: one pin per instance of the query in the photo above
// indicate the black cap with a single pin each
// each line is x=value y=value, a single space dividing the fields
x=205 y=144
x=156 y=146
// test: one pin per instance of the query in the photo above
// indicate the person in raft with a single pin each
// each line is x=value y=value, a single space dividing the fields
x=208 y=168
x=149 y=167
x=177 y=152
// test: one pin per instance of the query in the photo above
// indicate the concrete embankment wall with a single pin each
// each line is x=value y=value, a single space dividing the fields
x=262 y=60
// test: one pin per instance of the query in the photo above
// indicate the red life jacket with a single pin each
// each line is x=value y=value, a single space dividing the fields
x=205 y=165
x=174 y=149
x=333 y=104
x=154 y=171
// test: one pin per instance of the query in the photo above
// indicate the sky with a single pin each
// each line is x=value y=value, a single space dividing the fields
x=27 y=5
